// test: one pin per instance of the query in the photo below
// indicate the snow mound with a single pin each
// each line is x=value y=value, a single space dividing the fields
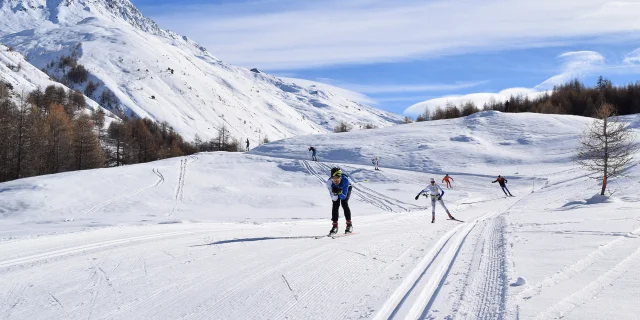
x=520 y=282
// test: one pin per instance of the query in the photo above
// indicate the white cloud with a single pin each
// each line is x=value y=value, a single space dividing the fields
x=290 y=34
x=632 y=57
x=576 y=64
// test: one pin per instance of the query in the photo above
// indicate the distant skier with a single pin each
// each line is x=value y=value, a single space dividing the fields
x=247 y=144
x=313 y=153
x=503 y=183
x=376 y=162
x=340 y=190
x=448 y=180
x=435 y=192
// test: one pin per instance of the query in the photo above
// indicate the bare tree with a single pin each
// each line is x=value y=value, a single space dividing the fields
x=22 y=131
x=342 y=127
x=197 y=141
x=87 y=151
x=370 y=126
x=424 y=116
x=223 y=137
x=469 y=108
x=606 y=147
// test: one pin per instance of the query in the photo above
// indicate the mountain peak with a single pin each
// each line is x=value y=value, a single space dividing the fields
x=70 y=12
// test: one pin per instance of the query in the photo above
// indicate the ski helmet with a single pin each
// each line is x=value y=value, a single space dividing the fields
x=336 y=172
x=433 y=180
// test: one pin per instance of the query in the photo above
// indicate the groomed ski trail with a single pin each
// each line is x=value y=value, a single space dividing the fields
x=40 y=257
x=485 y=288
x=430 y=274
x=591 y=290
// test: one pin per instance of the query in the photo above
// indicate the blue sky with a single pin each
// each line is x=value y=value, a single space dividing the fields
x=406 y=55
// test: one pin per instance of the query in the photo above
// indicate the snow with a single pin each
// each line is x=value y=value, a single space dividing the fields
x=24 y=77
x=233 y=235
x=130 y=55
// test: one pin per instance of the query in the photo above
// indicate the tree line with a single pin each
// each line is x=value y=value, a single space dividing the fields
x=573 y=98
x=49 y=131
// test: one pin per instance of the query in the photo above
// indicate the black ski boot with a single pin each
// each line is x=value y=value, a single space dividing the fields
x=349 y=229
x=333 y=230
x=433 y=220
x=451 y=217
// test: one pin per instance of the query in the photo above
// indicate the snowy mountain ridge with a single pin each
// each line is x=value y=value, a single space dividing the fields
x=161 y=75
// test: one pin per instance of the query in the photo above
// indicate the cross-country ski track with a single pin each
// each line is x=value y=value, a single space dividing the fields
x=404 y=269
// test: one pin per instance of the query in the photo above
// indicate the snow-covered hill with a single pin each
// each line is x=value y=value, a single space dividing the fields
x=24 y=77
x=489 y=140
x=158 y=74
x=239 y=236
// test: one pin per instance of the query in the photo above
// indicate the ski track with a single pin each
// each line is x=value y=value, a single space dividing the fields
x=371 y=196
x=54 y=254
x=591 y=290
x=109 y=201
x=179 y=193
x=577 y=267
x=232 y=291
x=364 y=196
x=484 y=293
x=490 y=306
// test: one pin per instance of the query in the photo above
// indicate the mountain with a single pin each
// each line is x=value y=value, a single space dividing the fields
x=161 y=75
x=22 y=77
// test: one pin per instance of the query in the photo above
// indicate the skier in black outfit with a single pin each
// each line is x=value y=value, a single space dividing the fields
x=340 y=190
x=503 y=183
x=247 y=144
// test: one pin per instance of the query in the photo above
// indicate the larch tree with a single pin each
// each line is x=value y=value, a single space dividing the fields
x=606 y=147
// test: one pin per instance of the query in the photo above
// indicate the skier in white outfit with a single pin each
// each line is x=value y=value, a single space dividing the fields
x=435 y=193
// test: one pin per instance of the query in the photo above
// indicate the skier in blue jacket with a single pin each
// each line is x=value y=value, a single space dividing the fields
x=340 y=190
x=313 y=153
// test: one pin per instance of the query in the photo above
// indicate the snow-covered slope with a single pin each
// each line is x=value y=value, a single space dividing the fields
x=167 y=77
x=239 y=236
x=488 y=140
x=24 y=77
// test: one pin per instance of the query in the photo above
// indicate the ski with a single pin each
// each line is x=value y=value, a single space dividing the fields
x=335 y=236
x=456 y=220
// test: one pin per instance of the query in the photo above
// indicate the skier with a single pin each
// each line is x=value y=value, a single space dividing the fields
x=503 y=183
x=446 y=179
x=435 y=192
x=313 y=153
x=340 y=190
x=247 y=144
x=376 y=162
